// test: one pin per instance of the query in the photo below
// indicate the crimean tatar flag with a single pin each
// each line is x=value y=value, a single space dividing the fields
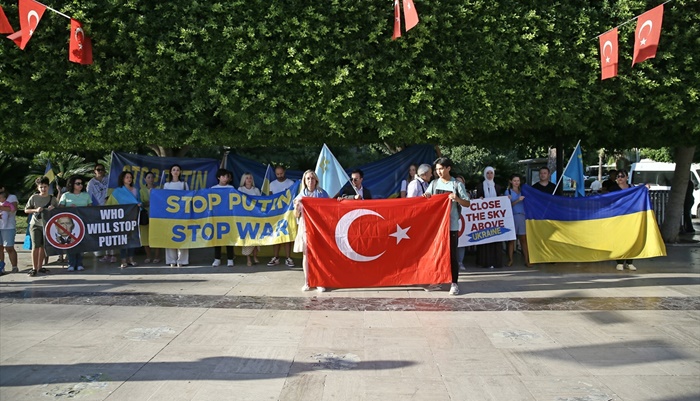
x=647 y=34
x=331 y=175
x=30 y=12
x=613 y=226
x=397 y=21
x=574 y=170
x=5 y=26
x=80 y=46
x=608 y=54
x=410 y=15
x=377 y=243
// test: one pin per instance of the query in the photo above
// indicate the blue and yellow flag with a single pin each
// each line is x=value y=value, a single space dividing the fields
x=617 y=225
x=574 y=170
x=269 y=177
x=331 y=175
x=48 y=173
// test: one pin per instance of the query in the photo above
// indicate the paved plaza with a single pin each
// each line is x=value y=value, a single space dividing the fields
x=564 y=331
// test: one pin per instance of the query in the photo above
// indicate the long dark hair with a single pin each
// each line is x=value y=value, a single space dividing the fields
x=71 y=183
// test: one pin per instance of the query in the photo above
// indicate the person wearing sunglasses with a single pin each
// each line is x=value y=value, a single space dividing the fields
x=356 y=191
x=75 y=197
x=621 y=185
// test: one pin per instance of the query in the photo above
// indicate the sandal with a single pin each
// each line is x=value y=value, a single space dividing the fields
x=44 y=270
x=250 y=263
x=32 y=273
x=146 y=261
x=156 y=261
x=132 y=264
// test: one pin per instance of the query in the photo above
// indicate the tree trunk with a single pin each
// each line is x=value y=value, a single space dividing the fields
x=683 y=156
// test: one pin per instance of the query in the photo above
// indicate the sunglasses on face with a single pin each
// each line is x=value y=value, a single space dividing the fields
x=78 y=183
x=621 y=176
x=356 y=179
x=99 y=169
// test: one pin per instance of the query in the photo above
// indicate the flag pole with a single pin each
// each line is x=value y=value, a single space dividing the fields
x=54 y=10
x=567 y=166
x=628 y=21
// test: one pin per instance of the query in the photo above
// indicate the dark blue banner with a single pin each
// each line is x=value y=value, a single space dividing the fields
x=197 y=173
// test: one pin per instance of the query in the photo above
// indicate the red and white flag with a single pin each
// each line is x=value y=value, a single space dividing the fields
x=80 y=46
x=397 y=21
x=30 y=13
x=375 y=243
x=647 y=34
x=410 y=15
x=608 y=54
x=5 y=26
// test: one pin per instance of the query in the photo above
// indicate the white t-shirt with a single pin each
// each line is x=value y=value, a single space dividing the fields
x=277 y=187
x=222 y=186
x=8 y=218
x=252 y=191
x=181 y=185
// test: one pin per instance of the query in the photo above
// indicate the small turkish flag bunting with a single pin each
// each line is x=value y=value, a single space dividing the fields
x=608 y=54
x=410 y=14
x=80 y=46
x=397 y=21
x=647 y=34
x=5 y=26
x=30 y=13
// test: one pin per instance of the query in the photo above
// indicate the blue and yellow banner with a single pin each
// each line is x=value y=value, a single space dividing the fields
x=613 y=226
x=221 y=216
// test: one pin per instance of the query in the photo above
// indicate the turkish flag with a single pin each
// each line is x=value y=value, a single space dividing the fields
x=608 y=54
x=5 y=26
x=30 y=13
x=647 y=34
x=373 y=243
x=397 y=21
x=410 y=14
x=80 y=46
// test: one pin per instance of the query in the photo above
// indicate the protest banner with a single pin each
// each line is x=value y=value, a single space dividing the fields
x=197 y=173
x=221 y=216
x=92 y=228
x=485 y=221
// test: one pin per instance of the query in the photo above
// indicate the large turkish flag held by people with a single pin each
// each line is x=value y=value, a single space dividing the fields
x=374 y=243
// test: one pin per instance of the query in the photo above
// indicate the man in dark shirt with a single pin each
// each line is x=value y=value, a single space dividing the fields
x=544 y=184
x=610 y=185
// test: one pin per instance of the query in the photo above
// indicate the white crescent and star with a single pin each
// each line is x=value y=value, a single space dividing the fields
x=605 y=45
x=651 y=28
x=80 y=41
x=341 y=234
x=31 y=14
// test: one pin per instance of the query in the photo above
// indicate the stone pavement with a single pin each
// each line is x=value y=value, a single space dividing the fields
x=565 y=331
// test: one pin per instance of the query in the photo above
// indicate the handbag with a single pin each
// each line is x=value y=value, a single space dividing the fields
x=143 y=217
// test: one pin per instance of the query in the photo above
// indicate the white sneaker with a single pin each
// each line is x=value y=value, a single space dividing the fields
x=289 y=262
x=230 y=263
x=70 y=268
x=305 y=287
x=454 y=289
x=631 y=267
x=217 y=262
x=80 y=268
x=620 y=267
x=274 y=261
x=321 y=289
x=433 y=287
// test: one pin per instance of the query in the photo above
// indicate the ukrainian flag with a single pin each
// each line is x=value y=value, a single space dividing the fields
x=617 y=225
x=48 y=173
x=269 y=177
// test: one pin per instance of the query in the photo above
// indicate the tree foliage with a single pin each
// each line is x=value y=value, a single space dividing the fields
x=189 y=73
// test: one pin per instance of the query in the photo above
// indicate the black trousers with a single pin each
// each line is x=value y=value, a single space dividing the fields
x=454 y=260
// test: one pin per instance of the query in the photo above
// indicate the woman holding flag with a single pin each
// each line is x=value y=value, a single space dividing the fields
x=309 y=188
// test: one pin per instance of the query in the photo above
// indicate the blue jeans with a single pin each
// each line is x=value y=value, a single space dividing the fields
x=75 y=259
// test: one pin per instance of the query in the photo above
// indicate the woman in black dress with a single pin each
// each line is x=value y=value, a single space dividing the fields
x=489 y=255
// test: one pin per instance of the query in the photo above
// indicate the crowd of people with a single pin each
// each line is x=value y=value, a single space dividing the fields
x=422 y=180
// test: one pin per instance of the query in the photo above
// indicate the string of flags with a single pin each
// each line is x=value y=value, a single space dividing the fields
x=646 y=41
x=410 y=16
x=30 y=13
